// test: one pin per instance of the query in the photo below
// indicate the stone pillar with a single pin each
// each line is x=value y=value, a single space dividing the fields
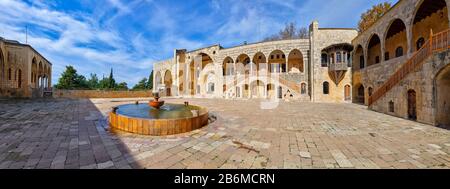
x=409 y=38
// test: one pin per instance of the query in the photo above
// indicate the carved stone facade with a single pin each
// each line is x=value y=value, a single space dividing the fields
x=337 y=65
x=24 y=73
x=277 y=69
x=389 y=44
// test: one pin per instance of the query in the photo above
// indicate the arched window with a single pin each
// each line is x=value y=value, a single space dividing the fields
x=399 y=52
x=324 y=60
x=420 y=42
x=326 y=87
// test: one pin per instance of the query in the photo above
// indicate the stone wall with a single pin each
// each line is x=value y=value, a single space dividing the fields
x=322 y=38
x=424 y=84
x=100 y=94
x=21 y=67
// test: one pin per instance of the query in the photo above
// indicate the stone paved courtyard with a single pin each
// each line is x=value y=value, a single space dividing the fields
x=74 y=134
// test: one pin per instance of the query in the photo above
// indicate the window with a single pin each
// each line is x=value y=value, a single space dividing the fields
x=377 y=60
x=278 y=56
x=399 y=52
x=326 y=88
x=370 y=91
x=303 y=88
x=283 y=56
x=361 y=62
x=420 y=42
x=324 y=60
x=332 y=58
x=338 y=57
x=386 y=56
x=211 y=87
x=271 y=56
x=391 y=106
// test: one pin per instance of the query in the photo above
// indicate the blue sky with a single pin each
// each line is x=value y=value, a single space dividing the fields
x=129 y=35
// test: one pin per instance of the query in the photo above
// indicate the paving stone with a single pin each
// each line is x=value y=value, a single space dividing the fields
x=73 y=134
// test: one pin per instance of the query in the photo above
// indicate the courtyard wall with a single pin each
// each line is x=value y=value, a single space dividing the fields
x=100 y=94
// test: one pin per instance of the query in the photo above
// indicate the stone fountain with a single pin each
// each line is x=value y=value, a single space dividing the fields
x=156 y=103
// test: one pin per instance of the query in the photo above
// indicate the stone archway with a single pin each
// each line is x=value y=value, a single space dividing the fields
x=412 y=105
x=34 y=69
x=430 y=15
x=277 y=62
x=245 y=61
x=358 y=58
x=168 y=83
x=2 y=69
x=295 y=61
x=271 y=90
x=359 y=92
x=347 y=93
x=396 y=40
x=228 y=66
x=158 y=80
x=374 y=50
x=257 y=89
x=443 y=97
x=260 y=61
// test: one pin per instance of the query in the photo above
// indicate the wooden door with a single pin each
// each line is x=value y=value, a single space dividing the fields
x=412 y=112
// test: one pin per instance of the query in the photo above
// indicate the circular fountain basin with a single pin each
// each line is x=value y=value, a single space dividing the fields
x=170 y=119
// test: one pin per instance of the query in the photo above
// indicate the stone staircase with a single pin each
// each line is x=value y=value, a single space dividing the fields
x=436 y=43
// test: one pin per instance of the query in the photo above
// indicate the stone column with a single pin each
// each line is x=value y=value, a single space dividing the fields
x=409 y=39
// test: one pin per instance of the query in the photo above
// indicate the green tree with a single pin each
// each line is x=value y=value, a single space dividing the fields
x=122 y=86
x=71 y=80
x=290 y=31
x=93 y=82
x=141 y=85
x=369 y=17
x=103 y=83
x=111 y=80
x=150 y=81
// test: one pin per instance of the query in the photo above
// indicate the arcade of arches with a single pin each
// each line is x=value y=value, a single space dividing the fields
x=23 y=71
x=394 y=40
x=338 y=66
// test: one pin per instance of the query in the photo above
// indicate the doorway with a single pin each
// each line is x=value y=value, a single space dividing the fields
x=412 y=106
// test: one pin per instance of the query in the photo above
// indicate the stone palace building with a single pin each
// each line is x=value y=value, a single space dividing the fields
x=399 y=66
x=24 y=73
